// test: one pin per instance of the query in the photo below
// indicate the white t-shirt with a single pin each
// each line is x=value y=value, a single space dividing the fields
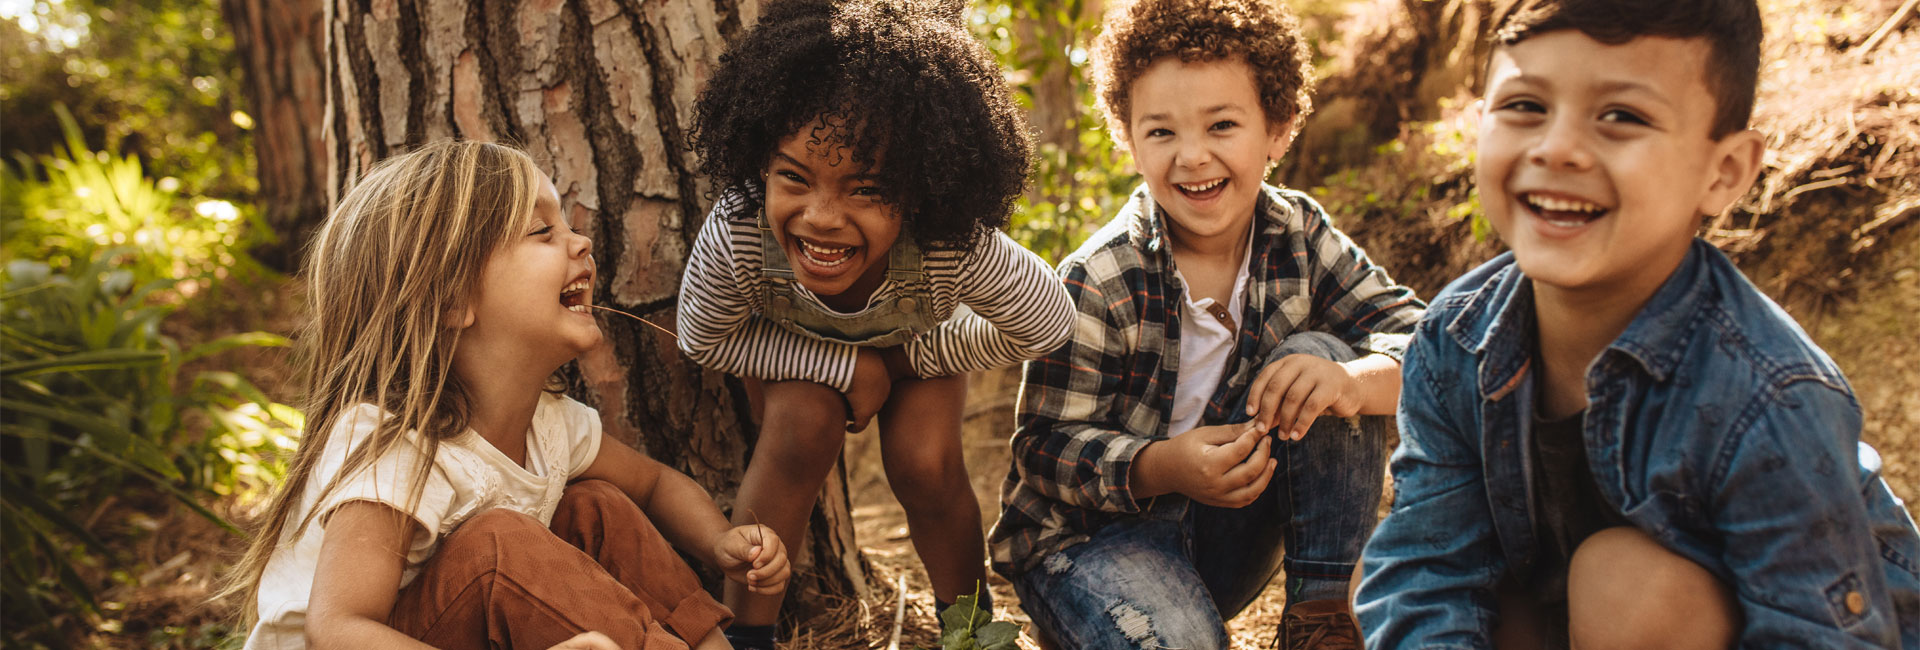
x=468 y=476
x=1207 y=333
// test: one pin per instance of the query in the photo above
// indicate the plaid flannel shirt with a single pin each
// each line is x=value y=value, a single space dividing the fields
x=1087 y=409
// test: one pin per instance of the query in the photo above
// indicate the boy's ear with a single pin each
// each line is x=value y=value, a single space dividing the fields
x=1735 y=165
x=1280 y=138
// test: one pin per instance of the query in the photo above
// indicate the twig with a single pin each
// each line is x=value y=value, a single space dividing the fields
x=759 y=538
x=899 y=611
x=643 y=320
x=1886 y=29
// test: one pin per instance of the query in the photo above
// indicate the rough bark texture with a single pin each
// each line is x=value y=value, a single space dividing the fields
x=600 y=92
x=279 y=42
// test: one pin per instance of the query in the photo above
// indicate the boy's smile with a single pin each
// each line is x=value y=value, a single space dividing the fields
x=1201 y=138
x=830 y=218
x=1595 y=174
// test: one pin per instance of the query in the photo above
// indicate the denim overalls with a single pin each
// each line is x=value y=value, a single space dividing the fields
x=891 y=317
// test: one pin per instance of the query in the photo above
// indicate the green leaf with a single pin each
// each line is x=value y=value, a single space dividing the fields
x=998 y=635
x=110 y=359
x=69 y=578
x=107 y=431
x=18 y=494
x=173 y=490
x=222 y=344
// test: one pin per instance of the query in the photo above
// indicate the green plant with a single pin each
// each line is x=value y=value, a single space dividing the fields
x=90 y=200
x=93 y=401
x=1081 y=177
x=966 y=626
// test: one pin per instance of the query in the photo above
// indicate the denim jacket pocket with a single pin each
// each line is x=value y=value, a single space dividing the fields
x=1847 y=600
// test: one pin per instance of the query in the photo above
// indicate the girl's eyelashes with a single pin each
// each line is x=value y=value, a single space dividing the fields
x=1223 y=125
x=542 y=230
x=790 y=176
x=1156 y=133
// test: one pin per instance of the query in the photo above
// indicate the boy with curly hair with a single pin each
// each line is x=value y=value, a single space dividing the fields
x=866 y=151
x=1198 y=431
x=1609 y=437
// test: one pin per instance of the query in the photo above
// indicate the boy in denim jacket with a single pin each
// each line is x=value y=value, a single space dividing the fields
x=1170 y=451
x=1609 y=437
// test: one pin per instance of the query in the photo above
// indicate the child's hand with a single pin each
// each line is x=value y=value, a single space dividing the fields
x=872 y=383
x=1226 y=465
x=1292 y=392
x=587 y=641
x=753 y=556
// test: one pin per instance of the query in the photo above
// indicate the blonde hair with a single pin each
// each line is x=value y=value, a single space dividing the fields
x=386 y=277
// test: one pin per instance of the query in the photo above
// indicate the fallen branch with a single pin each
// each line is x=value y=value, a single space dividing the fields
x=1893 y=22
x=900 y=611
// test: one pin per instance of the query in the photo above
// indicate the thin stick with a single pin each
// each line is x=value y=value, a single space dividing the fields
x=1900 y=15
x=643 y=320
x=899 y=611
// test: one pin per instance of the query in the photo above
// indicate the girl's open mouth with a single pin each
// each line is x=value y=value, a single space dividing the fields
x=825 y=256
x=577 y=296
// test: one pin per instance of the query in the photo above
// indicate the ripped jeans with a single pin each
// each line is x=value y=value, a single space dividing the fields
x=1171 y=577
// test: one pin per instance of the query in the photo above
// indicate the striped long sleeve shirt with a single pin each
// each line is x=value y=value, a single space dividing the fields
x=1017 y=308
x=1087 y=409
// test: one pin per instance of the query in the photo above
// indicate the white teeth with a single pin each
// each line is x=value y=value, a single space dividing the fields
x=811 y=251
x=1201 y=187
x=1552 y=204
x=580 y=288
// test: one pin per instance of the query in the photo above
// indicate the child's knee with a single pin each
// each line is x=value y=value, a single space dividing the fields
x=805 y=421
x=1625 y=590
x=1319 y=344
x=591 y=492
x=594 y=504
x=924 y=476
x=481 y=537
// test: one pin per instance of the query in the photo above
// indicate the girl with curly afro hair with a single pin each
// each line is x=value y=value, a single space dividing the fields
x=865 y=154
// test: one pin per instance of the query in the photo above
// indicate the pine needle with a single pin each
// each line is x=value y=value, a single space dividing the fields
x=649 y=323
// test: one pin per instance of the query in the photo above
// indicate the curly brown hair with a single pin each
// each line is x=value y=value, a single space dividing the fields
x=1263 y=33
x=896 y=80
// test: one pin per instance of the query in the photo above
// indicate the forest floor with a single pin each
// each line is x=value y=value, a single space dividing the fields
x=1836 y=242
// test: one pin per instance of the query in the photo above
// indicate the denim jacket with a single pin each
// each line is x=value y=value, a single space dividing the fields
x=1714 y=425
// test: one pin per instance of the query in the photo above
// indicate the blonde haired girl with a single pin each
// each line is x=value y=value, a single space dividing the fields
x=429 y=500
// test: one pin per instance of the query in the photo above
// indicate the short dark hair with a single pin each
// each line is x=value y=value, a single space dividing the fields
x=899 y=83
x=1731 y=28
x=1261 y=32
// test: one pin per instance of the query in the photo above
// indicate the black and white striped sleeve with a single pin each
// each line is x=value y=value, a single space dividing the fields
x=718 y=327
x=1019 y=311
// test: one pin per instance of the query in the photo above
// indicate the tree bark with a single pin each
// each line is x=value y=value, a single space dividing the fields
x=280 y=46
x=601 y=93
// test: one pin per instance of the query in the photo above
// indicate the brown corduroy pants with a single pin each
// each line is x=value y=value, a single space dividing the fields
x=502 y=580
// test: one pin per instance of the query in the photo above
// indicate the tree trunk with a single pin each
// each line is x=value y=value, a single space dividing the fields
x=601 y=93
x=279 y=44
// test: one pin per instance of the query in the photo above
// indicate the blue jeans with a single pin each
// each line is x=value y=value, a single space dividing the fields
x=1171 y=577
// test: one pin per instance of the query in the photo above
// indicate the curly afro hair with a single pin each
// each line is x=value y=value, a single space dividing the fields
x=1260 y=32
x=899 y=83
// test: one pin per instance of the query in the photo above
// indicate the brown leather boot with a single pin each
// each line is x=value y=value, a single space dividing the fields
x=1318 y=625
